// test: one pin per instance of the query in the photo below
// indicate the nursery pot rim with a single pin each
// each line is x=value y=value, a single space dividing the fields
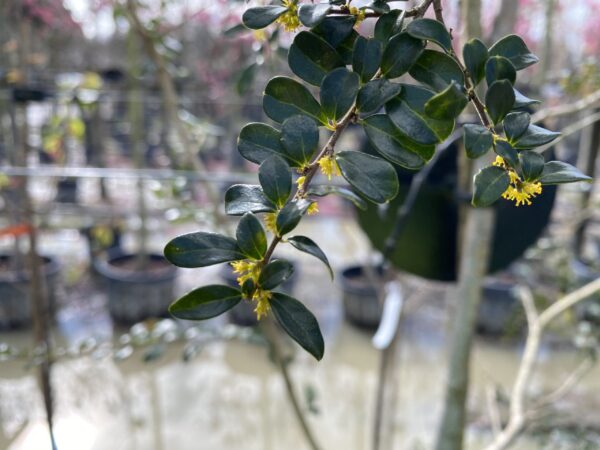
x=105 y=267
x=51 y=267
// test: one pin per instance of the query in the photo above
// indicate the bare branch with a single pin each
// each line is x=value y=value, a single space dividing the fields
x=563 y=110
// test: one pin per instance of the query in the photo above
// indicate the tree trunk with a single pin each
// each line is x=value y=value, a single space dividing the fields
x=474 y=244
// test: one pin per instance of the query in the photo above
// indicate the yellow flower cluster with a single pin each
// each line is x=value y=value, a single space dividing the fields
x=271 y=222
x=263 y=302
x=329 y=167
x=313 y=209
x=519 y=191
x=300 y=182
x=247 y=270
x=359 y=13
x=289 y=20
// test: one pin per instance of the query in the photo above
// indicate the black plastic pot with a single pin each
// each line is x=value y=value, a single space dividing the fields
x=359 y=298
x=136 y=295
x=243 y=313
x=66 y=190
x=15 y=297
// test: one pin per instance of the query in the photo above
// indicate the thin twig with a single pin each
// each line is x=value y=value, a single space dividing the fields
x=571 y=108
x=571 y=129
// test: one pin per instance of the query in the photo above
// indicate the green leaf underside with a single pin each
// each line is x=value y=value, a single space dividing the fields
x=262 y=16
x=335 y=30
x=300 y=139
x=285 y=97
x=379 y=6
x=275 y=273
x=290 y=216
x=243 y=198
x=558 y=172
x=201 y=249
x=431 y=30
x=448 y=104
x=514 y=49
x=205 y=302
x=372 y=177
x=436 y=70
x=311 y=57
x=400 y=54
x=388 y=25
x=299 y=323
x=489 y=185
x=407 y=112
x=312 y=15
x=535 y=136
x=251 y=237
x=478 y=140
x=499 y=68
x=515 y=125
x=475 y=54
x=393 y=145
x=338 y=93
x=258 y=141
x=346 y=48
x=499 y=100
x=275 y=177
x=523 y=102
x=327 y=189
x=366 y=57
x=307 y=245
x=508 y=153
x=373 y=95
x=532 y=164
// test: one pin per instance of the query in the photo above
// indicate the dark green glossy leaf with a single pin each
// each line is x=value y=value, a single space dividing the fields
x=400 y=54
x=388 y=25
x=275 y=273
x=448 y=104
x=489 y=185
x=275 y=177
x=307 y=245
x=285 y=97
x=499 y=68
x=251 y=237
x=431 y=30
x=475 y=54
x=499 y=100
x=535 y=136
x=558 y=172
x=513 y=48
x=299 y=323
x=335 y=29
x=372 y=177
x=478 y=140
x=290 y=216
x=338 y=93
x=201 y=249
x=300 y=139
x=245 y=79
x=262 y=16
x=366 y=57
x=248 y=288
x=327 y=189
x=393 y=145
x=258 y=141
x=311 y=15
x=407 y=112
x=532 y=165
x=508 y=153
x=346 y=48
x=376 y=93
x=311 y=57
x=436 y=70
x=205 y=302
x=523 y=102
x=515 y=124
x=379 y=6
x=243 y=198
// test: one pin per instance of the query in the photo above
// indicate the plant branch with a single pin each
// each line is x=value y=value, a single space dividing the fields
x=417 y=11
x=272 y=335
x=519 y=416
x=563 y=110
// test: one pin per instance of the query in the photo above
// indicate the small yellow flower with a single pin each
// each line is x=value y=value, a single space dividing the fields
x=289 y=20
x=329 y=167
x=522 y=192
x=259 y=35
x=248 y=270
x=499 y=162
x=300 y=182
x=359 y=14
x=271 y=222
x=263 y=302
x=313 y=209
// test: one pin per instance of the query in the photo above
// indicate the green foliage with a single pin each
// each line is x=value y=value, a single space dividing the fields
x=404 y=122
